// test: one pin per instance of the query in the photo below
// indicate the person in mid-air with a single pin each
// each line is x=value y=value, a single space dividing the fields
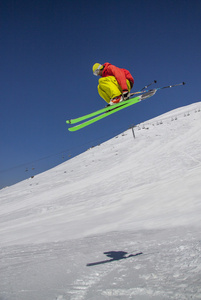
x=115 y=83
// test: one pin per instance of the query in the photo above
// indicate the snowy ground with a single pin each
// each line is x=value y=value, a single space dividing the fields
x=120 y=221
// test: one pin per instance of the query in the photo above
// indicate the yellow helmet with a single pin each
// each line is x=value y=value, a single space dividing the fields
x=96 y=67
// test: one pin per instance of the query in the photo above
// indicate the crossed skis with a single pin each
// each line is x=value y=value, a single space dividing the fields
x=135 y=97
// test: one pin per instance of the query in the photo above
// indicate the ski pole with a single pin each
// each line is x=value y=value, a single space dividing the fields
x=146 y=86
x=170 y=86
x=160 y=88
x=143 y=89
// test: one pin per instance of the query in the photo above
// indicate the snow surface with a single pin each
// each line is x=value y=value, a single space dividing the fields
x=120 y=221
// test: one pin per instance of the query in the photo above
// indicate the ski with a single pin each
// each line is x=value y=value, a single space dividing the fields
x=95 y=113
x=104 y=112
x=105 y=109
x=112 y=110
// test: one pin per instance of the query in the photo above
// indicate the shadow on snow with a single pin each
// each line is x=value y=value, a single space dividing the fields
x=115 y=255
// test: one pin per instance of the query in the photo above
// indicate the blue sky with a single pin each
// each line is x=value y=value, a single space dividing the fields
x=47 y=51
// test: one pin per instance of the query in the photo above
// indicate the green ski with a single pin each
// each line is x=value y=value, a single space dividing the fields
x=112 y=109
x=104 y=112
x=98 y=112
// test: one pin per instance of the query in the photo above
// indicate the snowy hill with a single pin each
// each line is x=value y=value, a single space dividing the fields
x=120 y=221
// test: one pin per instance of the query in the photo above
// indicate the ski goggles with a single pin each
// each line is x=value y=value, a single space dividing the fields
x=96 y=72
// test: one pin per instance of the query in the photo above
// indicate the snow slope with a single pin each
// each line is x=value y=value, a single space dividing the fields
x=120 y=221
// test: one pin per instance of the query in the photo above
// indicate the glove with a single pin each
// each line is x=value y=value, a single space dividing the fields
x=125 y=95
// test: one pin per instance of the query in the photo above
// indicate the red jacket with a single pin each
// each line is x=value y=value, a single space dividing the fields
x=120 y=74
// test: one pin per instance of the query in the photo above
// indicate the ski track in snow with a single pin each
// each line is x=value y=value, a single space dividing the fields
x=139 y=197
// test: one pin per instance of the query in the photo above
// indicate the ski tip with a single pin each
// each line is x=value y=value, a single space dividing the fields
x=68 y=121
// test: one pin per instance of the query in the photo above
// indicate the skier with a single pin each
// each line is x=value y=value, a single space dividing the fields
x=115 y=84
